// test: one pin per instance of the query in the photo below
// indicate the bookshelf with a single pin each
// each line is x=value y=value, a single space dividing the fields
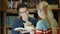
x=1 y=6
x=15 y=11
x=59 y=19
x=8 y=27
x=0 y=23
x=5 y=9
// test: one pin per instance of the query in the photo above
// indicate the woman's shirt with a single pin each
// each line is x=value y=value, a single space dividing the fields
x=44 y=27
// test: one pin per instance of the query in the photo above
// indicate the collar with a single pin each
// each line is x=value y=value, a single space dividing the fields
x=23 y=20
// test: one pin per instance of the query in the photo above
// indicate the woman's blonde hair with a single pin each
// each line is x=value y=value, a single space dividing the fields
x=49 y=15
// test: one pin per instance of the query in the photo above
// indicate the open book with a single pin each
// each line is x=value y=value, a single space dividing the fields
x=27 y=27
x=19 y=28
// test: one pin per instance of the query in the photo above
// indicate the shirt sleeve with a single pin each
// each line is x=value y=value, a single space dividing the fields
x=16 y=24
x=41 y=28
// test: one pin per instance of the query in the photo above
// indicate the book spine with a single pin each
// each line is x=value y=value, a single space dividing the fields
x=11 y=4
x=15 y=4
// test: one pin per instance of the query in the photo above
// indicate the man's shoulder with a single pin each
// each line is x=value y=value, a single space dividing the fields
x=18 y=20
x=33 y=19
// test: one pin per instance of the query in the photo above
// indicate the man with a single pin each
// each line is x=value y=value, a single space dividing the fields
x=23 y=13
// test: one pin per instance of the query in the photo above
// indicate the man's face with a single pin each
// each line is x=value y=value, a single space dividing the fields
x=23 y=12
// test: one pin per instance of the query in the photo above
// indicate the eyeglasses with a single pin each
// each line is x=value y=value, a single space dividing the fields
x=22 y=12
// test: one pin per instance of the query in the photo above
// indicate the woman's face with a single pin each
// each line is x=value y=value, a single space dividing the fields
x=41 y=13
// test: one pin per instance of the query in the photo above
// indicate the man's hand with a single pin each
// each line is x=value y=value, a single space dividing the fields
x=24 y=31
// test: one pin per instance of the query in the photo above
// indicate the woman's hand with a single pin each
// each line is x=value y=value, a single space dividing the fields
x=24 y=31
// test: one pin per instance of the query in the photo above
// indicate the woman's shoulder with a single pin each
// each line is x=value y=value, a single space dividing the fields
x=41 y=21
x=44 y=24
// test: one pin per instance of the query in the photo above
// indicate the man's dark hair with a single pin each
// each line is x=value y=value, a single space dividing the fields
x=21 y=5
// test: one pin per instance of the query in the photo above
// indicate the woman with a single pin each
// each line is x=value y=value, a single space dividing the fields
x=47 y=24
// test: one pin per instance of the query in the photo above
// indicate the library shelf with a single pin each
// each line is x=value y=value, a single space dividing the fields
x=56 y=9
x=15 y=11
x=1 y=26
x=8 y=27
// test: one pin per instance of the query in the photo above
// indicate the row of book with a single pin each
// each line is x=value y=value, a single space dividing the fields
x=30 y=3
x=12 y=4
x=10 y=20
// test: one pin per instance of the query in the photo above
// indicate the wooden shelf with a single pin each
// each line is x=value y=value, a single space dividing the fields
x=8 y=27
x=2 y=10
x=15 y=11
x=11 y=11
x=56 y=9
x=1 y=27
